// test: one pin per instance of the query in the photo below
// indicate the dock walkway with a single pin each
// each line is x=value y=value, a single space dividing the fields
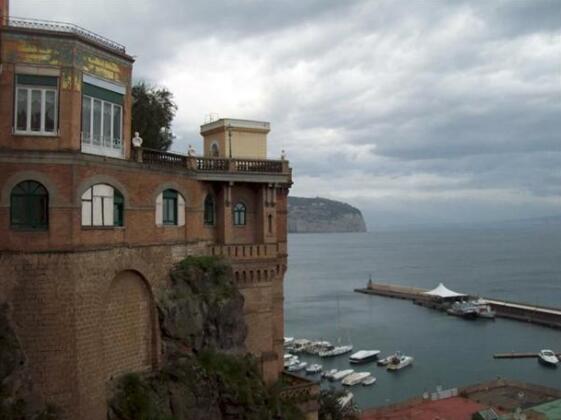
x=542 y=315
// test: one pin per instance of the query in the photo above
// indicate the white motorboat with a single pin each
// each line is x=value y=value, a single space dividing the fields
x=316 y=347
x=329 y=374
x=548 y=358
x=345 y=399
x=369 y=381
x=355 y=378
x=399 y=361
x=364 y=356
x=337 y=351
x=300 y=345
x=297 y=367
x=386 y=360
x=289 y=361
x=337 y=376
x=288 y=341
x=313 y=369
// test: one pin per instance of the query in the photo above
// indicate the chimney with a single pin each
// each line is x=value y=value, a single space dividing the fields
x=4 y=12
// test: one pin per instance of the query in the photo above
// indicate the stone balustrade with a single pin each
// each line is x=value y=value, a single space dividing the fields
x=208 y=164
x=244 y=252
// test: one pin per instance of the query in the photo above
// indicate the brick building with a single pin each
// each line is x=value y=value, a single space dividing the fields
x=90 y=225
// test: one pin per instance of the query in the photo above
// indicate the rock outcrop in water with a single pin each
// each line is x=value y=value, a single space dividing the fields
x=320 y=215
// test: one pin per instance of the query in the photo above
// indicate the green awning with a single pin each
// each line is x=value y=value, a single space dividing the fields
x=29 y=79
x=104 y=94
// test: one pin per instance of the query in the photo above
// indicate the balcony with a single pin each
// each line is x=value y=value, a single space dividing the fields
x=208 y=165
x=300 y=391
x=67 y=28
x=244 y=252
x=102 y=145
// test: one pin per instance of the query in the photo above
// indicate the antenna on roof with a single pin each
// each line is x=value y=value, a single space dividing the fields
x=211 y=117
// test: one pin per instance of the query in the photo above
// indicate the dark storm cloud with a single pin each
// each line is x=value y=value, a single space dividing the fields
x=416 y=109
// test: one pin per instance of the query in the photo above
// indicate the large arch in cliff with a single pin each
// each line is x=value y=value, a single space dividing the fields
x=129 y=326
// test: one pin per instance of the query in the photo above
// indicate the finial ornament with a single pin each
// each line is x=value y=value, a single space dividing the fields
x=283 y=154
x=137 y=140
x=191 y=151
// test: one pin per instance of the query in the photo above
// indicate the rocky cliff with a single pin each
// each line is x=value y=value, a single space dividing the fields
x=320 y=215
x=206 y=372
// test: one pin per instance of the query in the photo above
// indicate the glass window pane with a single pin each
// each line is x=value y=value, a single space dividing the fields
x=97 y=211
x=97 y=122
x=35 y=110
x=107 y=211
x=86 y=213
x=107 y=141
x=18 y=210
x=117 y=126
x=86 y=118
x=21 y=110
x=50 y=111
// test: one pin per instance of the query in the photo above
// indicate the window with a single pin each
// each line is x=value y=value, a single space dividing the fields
x=214 y=151
x=209 y=210
x=102 y=205
x=170 y=208
x=29 y=206
x=102 y=121
x=239 y=214
x=36 y=105
x=270 y=223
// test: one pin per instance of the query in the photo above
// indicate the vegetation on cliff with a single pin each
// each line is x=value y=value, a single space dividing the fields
x=319 y=215
x=206 y=372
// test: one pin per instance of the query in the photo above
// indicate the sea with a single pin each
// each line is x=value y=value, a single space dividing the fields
x=518 y=263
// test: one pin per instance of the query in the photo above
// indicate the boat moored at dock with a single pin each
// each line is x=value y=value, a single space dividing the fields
x=355 y=378
x=369 y=381
x=399 y=361
x=364 y=356
x=341 y=374
x=548 y=358
x=313 y=369
x=336 y=351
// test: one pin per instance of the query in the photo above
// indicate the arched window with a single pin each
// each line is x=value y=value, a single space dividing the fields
x=29 y=206
x=102 y=205
x=209 y=210
x=170 y=208
x=214 y=150
x=239 y=214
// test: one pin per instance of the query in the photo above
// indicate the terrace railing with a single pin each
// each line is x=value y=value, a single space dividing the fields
x=54 y=26
x=207 y=164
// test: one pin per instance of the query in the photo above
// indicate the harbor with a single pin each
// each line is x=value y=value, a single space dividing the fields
x=534 y=314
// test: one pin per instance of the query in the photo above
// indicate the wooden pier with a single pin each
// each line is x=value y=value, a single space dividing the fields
x=541 y=315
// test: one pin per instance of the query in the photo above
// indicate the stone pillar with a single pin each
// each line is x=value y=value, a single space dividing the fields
x=4 y=12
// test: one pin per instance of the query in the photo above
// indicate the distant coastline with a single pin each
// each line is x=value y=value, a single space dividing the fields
x=321 y=215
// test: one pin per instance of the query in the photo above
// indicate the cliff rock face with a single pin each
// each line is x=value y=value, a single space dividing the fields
x=320 y=215
x=206 y=374
x=18 y=397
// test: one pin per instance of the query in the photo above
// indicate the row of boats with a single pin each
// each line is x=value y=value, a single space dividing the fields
x=471 y=309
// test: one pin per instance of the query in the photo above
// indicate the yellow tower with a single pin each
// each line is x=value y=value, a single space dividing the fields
x=233 y=138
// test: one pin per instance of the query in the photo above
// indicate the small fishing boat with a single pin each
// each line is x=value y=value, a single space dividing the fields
x=297 y=367
x=548 y=358
x=300 y=345
x=313 y=369
x=345 y=399
x=484 y=310
x=336 y=351
x=386 y=360
x=355 y=378
x=364 y=356
x=399 y=361
x=341 y=374
x=464 y=310
x=369 y=381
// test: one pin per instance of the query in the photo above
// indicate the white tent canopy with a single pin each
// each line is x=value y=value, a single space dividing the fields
x=442 y=291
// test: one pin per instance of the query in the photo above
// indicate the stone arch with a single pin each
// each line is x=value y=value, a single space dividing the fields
x=129 y=339
x=172 y=186
x=41 y=178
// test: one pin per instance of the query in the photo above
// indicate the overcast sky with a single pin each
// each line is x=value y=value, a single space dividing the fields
x=414 y=111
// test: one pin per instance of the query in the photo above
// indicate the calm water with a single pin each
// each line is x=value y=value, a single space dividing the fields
x=521 y=264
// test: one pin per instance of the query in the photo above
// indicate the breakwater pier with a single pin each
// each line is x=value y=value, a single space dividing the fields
x=541 y=315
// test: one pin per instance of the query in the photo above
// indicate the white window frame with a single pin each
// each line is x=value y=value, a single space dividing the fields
x=43 y=90
x=101 y=201
x=112 y=146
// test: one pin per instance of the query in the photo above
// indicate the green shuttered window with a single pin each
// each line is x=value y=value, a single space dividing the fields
x=29 y=206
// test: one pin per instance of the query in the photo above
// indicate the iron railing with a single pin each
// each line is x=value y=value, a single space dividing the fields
x=54 y=26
